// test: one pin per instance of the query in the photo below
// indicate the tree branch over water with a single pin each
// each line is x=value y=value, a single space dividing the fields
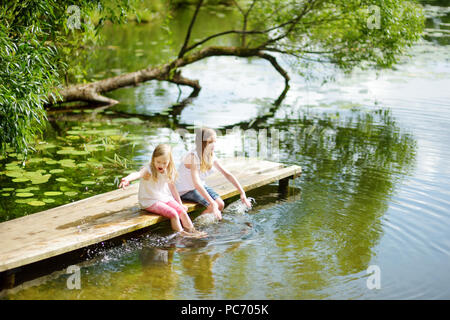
x=332 y=31
x=191 y=25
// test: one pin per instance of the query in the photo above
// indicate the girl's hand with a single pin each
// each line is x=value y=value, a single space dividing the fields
x=246 y=201
x=124 y=183
x=215 y=210
x=217 y=213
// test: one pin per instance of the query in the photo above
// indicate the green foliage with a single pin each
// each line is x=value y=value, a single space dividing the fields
x=346 y=33
x=38 y=38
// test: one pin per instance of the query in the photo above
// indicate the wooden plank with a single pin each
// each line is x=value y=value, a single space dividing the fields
x=92 y=220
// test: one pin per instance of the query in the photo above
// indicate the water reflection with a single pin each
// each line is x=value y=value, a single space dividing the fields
x=158 y=273
x=351 y=166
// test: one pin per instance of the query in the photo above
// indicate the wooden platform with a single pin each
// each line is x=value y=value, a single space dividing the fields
x=92 y=220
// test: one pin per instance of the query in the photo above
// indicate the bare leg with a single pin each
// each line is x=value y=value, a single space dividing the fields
x=186 y=221
x=175 y=223
x=163 y=209
x=220 y=203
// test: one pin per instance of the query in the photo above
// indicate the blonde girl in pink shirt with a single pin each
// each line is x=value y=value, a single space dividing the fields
x=157 y=192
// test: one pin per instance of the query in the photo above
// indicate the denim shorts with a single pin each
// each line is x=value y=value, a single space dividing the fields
x=195 y=196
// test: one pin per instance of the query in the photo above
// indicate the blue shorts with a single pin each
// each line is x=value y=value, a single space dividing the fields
x=195 y=196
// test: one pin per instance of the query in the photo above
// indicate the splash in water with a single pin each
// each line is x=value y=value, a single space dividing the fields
x=205 y=219
x=237 y=207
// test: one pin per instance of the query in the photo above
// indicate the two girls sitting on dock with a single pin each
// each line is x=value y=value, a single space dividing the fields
x=158 y=192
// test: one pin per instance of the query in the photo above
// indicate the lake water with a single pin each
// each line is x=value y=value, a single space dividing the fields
x=374 y=190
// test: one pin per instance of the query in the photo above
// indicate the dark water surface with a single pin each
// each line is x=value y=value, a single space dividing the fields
x=374 y=189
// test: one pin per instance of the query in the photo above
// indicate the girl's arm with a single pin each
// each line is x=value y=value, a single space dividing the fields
x=131 y=177
x=176 y=195
x=230 y=177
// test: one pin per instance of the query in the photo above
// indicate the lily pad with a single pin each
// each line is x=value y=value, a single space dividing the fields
x=87 y=182
x=71 y=193
x=48 y=200
x=14 y=174
x=6 y=194
x=61 y=179
x=73 y=137
x=45 y=146
x=41 y=179
x=75 y=132
x=52 y=193
x=102 y=132
x=32 y=175
x=24 y=194
x=65 y=188
x=21 y=200
x=13 y=167
x=73 y=152
x=80 y=152
x=36 y=203
x=65 y=151
x=20 y=179
x=37 y=160
x=68 y=164
x=26 y=189
x=66 y=161
x=8 y=189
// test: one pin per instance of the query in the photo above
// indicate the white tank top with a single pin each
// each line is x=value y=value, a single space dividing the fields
x=151 y=192
x=184 y=182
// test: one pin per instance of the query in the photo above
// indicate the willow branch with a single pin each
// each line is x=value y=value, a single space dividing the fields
x=191 y=25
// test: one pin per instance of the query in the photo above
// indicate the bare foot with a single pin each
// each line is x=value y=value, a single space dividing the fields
x=202 y=234
x=193 y=230
x=195 y=234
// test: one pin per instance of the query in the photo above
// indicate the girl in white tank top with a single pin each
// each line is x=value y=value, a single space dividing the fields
x=194 y=169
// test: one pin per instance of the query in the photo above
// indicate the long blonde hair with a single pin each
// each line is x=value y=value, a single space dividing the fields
x=202 y=138
x=162 y=150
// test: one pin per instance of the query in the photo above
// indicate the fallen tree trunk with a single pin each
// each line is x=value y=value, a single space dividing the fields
x=92 y=92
